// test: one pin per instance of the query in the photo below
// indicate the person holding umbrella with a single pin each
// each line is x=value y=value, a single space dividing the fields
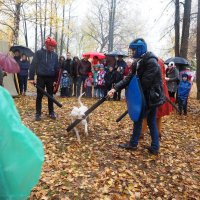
x=45 y=65
x=172 y=78
x=23 y=74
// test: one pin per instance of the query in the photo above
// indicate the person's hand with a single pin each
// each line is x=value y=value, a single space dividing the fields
x=32 y=81
x=166 y=78
x=111 y=92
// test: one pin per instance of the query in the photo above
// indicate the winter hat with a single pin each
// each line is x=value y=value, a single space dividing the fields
x=185 y=75
x=130 y=60
x=140 y=47
x=65 y=72
x=172 y=64
x=101 y=66
x=90 y=74
x=96 y=66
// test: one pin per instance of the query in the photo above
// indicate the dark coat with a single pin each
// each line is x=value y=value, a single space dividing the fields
x=150 y=78
x=68 y=65
x=44 y=63
x=109 y=78
x=84 y=67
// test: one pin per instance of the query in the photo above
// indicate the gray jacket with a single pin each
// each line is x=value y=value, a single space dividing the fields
x=172 y=83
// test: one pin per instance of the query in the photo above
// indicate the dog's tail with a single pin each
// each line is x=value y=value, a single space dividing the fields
x=79 y=99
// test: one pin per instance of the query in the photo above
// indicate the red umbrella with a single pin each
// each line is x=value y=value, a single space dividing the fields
x=8 y=63
x=92 y=54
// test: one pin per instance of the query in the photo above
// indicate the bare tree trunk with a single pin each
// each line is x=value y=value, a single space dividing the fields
x=41 y=31
x=51 y=18
x=177 y=27
x=198 y=52
x=36 y=26
x=45 y=18
x=185 y=29
x=111 y=25
x=68 y=27
x=56 y=33
x=16 y=23
x=62 y=33
x=25 y=27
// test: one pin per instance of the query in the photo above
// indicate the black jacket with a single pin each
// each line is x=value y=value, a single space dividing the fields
x=68 y=65
x=44 y=63
x=150 y=78
x=109 y=78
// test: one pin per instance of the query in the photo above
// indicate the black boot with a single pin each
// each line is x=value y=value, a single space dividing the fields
x=128 y=146
x=52 y=115
x=37 y=117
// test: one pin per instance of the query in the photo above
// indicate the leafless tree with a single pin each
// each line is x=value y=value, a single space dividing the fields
x=177 y=27
x=198 y=52
x=185 y=29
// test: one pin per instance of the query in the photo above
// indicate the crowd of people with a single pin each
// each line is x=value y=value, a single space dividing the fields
x=97 y=78
x=93 y=78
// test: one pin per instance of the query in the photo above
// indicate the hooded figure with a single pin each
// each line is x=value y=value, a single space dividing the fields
x=148 y=71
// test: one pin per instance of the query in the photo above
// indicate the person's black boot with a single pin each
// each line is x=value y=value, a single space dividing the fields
x=152 y=151
x=52 y=115
x=128 y=146
x=37 y=117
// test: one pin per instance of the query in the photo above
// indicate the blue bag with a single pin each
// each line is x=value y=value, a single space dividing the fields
x=135 y=99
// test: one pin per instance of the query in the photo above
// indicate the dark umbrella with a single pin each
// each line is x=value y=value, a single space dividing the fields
x=23 y=50
x=177 y=61
x=117 y=53
x=8 y=63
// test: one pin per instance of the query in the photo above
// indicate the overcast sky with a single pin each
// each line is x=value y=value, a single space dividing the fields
x=151 y=11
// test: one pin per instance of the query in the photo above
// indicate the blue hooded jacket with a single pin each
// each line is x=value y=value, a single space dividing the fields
x=184 y=90
x=44 y=63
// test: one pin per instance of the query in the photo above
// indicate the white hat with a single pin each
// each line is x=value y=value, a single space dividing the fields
x=172 y=64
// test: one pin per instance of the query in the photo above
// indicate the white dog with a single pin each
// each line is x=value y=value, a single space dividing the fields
x=79 y=113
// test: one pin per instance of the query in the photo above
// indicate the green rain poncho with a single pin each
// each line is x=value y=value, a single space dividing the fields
x=21 y=153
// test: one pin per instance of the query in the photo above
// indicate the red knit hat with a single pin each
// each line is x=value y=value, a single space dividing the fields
x=50 y=42
x=90 y=74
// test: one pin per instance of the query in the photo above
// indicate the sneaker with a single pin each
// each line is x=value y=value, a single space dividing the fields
x=52 y=115
x=37 y=117
x=152 y=151
x=128 y=146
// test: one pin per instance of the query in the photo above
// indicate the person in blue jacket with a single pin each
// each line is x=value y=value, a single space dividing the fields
x=45 y=65
x=183 y=93
x=24 y=65
x=148 y=71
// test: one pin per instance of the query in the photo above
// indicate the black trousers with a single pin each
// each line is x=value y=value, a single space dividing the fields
x=44 y=82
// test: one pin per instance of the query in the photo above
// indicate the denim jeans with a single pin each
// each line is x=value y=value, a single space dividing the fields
x=101 y=92
x=80 y=82
x=89 y=91
x=96 y=92
x=151 y=121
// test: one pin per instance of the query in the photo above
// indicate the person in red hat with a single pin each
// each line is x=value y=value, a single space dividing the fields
x=45 y=66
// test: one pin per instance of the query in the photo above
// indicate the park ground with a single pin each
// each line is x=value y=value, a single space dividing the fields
x=98 y=169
